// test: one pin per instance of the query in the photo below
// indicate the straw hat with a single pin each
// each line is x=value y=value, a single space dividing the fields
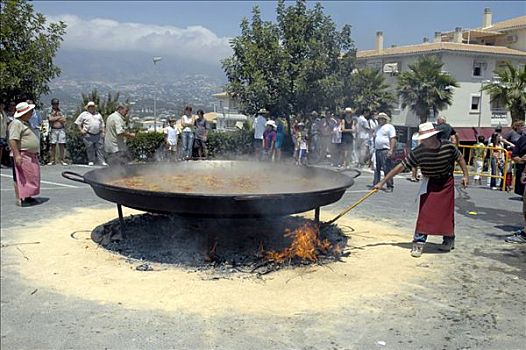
x=22 y=108
x=425 y=130
x=348 y=110
x=383 y=115
x=90 y=104
x=262 y=111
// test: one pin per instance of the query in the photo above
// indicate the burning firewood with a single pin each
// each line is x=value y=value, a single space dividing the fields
x=306 y=245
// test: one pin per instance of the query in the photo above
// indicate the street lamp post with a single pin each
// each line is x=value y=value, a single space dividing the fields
x=480 y=99
x=155 y=60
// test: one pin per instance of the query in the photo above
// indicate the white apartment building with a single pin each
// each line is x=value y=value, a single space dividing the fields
x=226 y=113
x=471 y=56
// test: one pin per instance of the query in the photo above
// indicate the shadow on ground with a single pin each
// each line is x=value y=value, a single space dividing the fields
x=464 y=205
x=511 y=255
x=429 y=248
x=240 y=243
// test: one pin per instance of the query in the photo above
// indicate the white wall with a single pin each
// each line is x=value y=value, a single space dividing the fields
x=520 y=44
x=460 y=65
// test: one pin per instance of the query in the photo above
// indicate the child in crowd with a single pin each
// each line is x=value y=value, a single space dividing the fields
x=172 y=134
x=497 y=161
x=509 y=171
x=301 y=143
x=269 y=140
x=479 y=153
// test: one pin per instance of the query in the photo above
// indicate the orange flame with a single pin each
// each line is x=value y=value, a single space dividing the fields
x=306 y=245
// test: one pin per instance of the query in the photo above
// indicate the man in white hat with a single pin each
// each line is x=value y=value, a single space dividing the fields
x=25 y=147
x=92 y=128
x=260 y=124
x=384 y=148
x=436 y=159
x=57 y=133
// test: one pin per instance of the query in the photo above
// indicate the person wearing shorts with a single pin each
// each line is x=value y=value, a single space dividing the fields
x=57 y=133
x=171 y=137
x=301 y=142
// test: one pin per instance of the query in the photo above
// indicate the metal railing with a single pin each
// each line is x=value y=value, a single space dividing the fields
x=488 y=154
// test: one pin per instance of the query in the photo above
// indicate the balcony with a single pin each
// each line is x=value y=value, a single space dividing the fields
x=499 y=111
x=499 y=117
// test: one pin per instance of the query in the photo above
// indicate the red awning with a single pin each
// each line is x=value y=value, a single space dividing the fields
x=467 y=134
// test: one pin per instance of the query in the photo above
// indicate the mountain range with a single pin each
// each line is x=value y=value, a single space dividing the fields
x=130 y=66
x=135 y=76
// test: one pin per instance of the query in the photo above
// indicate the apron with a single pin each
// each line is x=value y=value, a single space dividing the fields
x=28 y=175
x=436 y=215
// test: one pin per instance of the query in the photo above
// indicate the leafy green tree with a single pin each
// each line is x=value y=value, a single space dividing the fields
x=510 y=90
x=294 y=66
x=425 y=88
x=255 y=71
x=370 y=92
x=316 y=56
x=28 y=47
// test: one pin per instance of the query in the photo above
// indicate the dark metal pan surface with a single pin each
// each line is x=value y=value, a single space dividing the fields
x=275 y=189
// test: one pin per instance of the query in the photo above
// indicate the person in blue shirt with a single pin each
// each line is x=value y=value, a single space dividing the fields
x=35 y=121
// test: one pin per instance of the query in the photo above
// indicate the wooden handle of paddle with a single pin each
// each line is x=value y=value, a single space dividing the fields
x=369 y=194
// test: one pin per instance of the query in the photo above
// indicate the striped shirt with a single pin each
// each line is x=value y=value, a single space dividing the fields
x=434 y=163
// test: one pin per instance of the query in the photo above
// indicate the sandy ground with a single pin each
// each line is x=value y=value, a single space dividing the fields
x=82 y=269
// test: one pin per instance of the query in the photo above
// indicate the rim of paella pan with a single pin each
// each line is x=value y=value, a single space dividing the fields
x=347 y=183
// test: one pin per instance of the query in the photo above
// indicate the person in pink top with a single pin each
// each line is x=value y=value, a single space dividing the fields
x=269 y=140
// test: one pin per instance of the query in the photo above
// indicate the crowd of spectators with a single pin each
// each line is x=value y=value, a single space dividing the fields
x=340 y=139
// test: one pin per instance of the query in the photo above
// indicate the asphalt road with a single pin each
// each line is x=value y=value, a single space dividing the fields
x=485 y=306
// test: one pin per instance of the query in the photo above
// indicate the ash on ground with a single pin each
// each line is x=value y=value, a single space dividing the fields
x=222 y=248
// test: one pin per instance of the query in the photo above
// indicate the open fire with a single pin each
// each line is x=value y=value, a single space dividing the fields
x=305 y=246
x=223 y=247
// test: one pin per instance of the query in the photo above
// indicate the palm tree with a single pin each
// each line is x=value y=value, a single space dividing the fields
x=425 y=87
x=510 y=90
x=105 y=106
x=369 y=92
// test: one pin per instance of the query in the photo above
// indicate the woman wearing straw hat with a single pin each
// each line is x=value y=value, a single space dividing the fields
x=25 y=147
x=436 y=159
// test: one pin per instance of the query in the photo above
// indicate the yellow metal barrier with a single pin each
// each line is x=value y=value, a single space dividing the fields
x=488 y=155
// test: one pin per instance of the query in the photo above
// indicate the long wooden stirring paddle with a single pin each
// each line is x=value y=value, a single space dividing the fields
x=369 y=194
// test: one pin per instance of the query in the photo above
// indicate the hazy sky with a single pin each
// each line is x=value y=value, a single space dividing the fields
x=201 y=29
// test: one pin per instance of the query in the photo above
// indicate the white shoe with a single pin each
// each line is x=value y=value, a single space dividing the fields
x=418 y=248
x=104 y=164
x=64 y=163
x=90 y=163
x=51 y=163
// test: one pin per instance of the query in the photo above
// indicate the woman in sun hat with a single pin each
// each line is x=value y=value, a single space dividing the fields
x=25 y=147
x=269 y=140
x=436 y=159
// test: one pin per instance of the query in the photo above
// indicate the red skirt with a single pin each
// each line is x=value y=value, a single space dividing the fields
x=436 y=215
